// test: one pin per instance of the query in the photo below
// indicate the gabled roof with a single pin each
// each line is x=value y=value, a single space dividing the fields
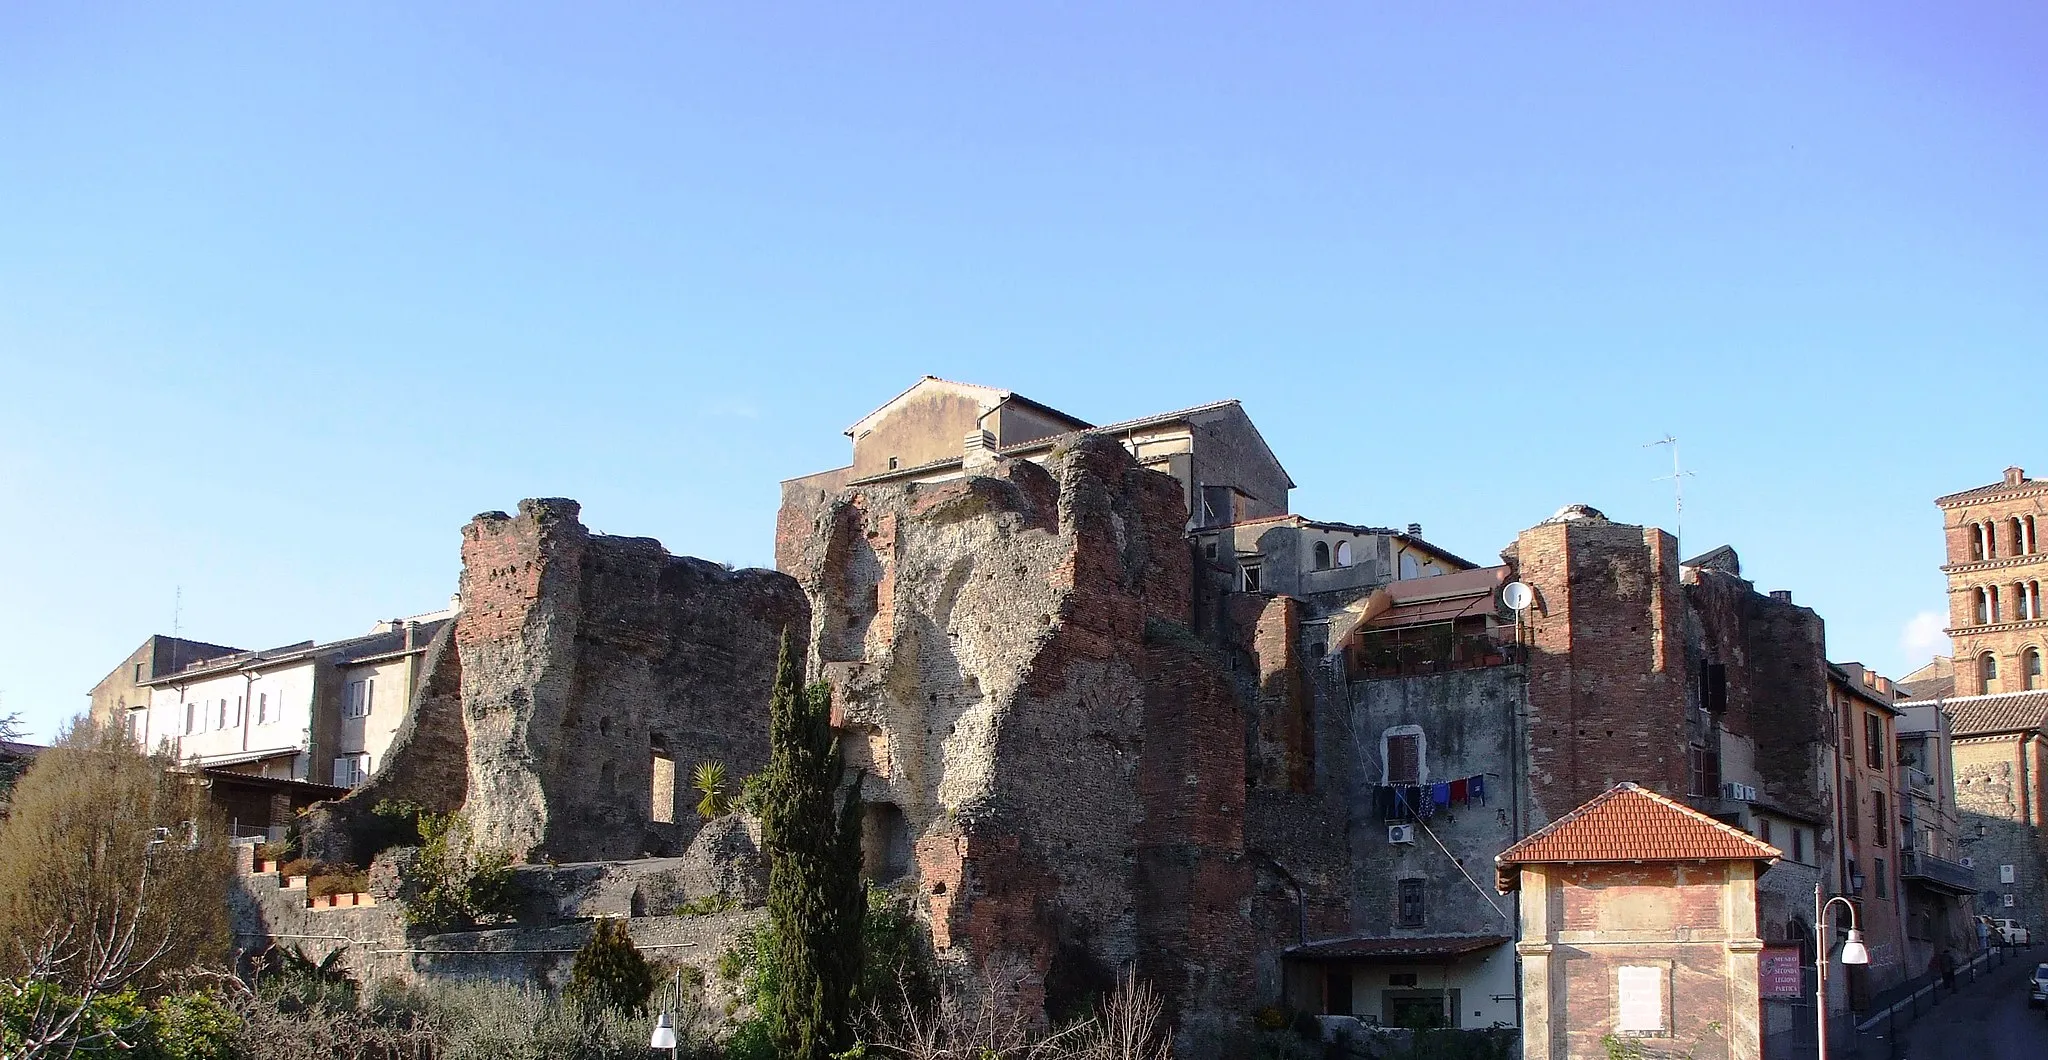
x=1226 y=405
x=1627 y=823
x=1989 y=715
x=2024 y=487
x=989 y=396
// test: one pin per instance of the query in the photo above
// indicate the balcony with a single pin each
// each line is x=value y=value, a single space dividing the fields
x=1936 y=873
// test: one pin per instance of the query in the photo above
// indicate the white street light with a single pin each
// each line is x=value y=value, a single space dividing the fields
x=664 y=1035
x=1853 y=952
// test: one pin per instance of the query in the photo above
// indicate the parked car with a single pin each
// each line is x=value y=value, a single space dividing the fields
x=2040 y=986
x=2010 y=933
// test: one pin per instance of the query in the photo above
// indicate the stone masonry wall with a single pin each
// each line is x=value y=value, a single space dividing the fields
x=583 y=658
x=1013 y=671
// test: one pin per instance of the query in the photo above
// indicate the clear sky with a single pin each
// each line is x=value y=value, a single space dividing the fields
x=290 y=291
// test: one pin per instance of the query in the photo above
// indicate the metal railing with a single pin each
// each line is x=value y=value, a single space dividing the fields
x=1919 y=863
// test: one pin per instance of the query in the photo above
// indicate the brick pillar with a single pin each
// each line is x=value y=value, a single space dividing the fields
x=1745 y=1007
x=1540 y=1039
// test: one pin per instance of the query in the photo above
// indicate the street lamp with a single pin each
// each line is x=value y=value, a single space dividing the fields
x=664 y=1036
x=1853 y=952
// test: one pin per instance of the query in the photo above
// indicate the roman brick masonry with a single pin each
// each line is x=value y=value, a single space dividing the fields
x=1052 y=759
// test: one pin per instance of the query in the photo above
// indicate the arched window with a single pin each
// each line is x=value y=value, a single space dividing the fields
x=2030 y=669
x=2019 y=537
x=2033 y=545
x=1322 y=555
x=1976 y=541
x=1343 y=553
x=1990 y=540
x=1983 y=609
x=1991 y=594
x=1987 y=671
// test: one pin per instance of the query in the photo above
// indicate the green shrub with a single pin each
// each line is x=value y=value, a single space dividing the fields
x=609 y=971
x=464 y=883
x=195 y=1026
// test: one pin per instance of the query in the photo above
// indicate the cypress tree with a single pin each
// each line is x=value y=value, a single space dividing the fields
x=815 y=897
x=610 y=971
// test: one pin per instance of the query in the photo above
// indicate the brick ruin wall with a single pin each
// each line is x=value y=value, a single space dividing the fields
x=1608 y=681
x=1059 y=761
x=581 y=667
x=587 y=658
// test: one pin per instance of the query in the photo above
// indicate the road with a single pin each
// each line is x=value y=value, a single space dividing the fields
x=1988 y=1020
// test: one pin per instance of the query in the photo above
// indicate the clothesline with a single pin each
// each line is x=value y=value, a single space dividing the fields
x=1408 y=802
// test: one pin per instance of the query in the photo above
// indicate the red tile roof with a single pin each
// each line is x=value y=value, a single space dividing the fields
x=2024 y=487
x=1998 y=712
x=1628 y=823
x=1393 y=949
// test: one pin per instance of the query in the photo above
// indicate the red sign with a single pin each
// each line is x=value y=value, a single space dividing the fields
x=1780 y=972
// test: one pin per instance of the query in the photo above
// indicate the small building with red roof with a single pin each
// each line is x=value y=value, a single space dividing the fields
x=1639 y=921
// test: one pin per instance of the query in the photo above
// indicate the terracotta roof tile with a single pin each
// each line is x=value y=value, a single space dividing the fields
x=1995 y=713
x=1629 y=823
x=2025 y=487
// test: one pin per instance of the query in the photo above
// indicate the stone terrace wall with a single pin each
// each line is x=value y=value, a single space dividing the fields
x=583 y=657
x=1063 y=760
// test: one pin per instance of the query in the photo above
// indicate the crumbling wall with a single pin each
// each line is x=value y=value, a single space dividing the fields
x=1013 y=671
x=427 y=765
x=585 y=659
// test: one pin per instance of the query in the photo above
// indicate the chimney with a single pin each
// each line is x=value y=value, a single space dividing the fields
x=979 y=450
x=1784 y=595
x=2014 y=476
x=1415 y=529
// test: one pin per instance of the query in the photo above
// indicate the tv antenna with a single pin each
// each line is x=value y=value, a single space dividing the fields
x=1677 y=479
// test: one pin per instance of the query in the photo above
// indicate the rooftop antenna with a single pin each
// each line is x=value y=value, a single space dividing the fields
x=177 y=613
x=1677 y=479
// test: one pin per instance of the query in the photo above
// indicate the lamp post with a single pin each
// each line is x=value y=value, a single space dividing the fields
x=664 y=1036
x=1853 y=952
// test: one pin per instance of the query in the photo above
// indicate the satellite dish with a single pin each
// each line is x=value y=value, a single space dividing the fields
x=1517 y=596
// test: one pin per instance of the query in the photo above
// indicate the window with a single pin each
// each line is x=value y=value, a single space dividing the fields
x=1873 y=740
x=191 y=718
x=137 y=718
x=2030 y=669
x=1703 y=771
x=892 y=463
x=351 y=770
x=1763 y=829
x=1798 y=844
x=1982 y=614
x=1251 y=578
x=1848 y=731
x=138 y=673
x=1343 y=553
x=356 y=698
x=220 y=713
x=1990 y=541
x=1987 y=671
x=1878 y=829
x=1714 y=688
x=262 y=708
x=1880 y=879
x=1322 y=555
x=1411 y=904
x=2019 y=536
x=1851 y=810
x=661 y=796
x=1976 y=541
x=1403 y=755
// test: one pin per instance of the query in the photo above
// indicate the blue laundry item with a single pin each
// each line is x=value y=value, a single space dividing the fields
x=1440 y=793
x=1477 y=790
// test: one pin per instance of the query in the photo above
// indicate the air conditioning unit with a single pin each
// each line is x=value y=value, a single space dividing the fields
x=1738 y=792
x=1967 y=862
x=1400 y=833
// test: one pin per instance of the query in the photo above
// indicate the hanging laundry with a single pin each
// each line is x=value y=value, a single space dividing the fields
x=1458 y=791
x=1383 y=801
x=1477 y=790
x=1425 y=804
x=1440 y=793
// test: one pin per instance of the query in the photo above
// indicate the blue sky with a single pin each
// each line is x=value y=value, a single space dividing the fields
x=287 y=294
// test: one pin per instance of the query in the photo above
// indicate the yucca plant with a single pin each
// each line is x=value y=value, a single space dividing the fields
x=709 y=783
